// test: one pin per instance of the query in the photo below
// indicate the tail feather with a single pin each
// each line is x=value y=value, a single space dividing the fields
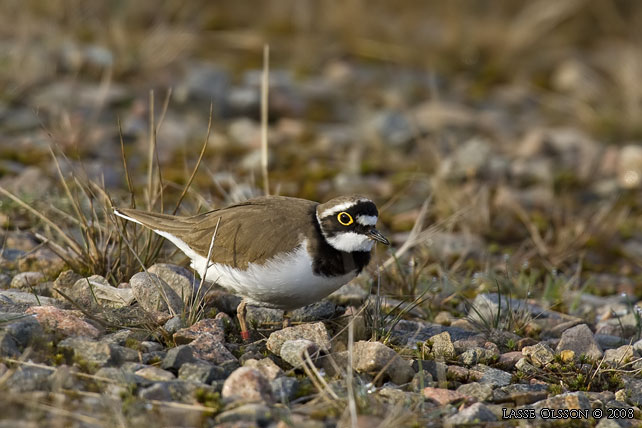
x=156 y=221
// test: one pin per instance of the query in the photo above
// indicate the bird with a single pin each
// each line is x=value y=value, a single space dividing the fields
x=274 y=251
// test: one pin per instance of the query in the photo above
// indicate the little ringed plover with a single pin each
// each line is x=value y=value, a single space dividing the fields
x=275 y=251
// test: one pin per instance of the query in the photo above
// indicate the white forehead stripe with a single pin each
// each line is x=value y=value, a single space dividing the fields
x=341 y=207
x=367 y=220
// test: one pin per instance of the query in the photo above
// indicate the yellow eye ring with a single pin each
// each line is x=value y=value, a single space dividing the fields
x=342 y=218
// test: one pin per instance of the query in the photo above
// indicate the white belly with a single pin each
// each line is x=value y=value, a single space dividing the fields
x=284 y=282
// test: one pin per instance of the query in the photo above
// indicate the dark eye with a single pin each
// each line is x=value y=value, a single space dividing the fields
x=345 y=218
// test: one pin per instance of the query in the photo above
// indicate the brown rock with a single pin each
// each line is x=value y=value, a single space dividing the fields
x=316 y=333
x=580 y=340
x=66 y=322
x=443 y=396
x=375 y=357
x=209 y=348
x=211 y=326
x=508 y=360
x=249 y=384
x=155 y=374
x=154 y=294
x=266 y=366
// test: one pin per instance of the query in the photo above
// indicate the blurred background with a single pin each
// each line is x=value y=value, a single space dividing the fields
x=519 y=122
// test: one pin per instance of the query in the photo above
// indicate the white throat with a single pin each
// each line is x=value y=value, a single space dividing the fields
x=350 y=241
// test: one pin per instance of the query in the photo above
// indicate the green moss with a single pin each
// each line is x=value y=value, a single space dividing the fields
x=154 y=360
x=84 y=365
x=132 y=343
x=209 y=399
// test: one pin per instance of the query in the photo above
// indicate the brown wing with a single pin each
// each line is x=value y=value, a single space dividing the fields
x=248 y=232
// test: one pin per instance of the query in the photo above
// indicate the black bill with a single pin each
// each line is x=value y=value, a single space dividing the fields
x=377 y=236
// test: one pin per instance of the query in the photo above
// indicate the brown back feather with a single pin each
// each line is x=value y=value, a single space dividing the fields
x=248 y=232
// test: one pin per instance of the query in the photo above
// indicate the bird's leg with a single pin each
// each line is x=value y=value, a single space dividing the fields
x=286 y=319
x=241 y=312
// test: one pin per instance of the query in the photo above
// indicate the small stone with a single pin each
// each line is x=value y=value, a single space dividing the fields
x=520 y=393
x=462 y=345
x=66 y=279
x=410 y=332
x=214 y=327
x=473 y=356
x=22 y=330
x=474 y=414
x=246 y=383
x=321 y=310
x=508 y=360
x=178 y=278
x=210 y=348
x=442 y=346
x=158 y=391
x=620 y=356
x=155 y=374
x=28 y=379
x=98 y=353
x=374 y=357
x=284 y=388
x=126 y=354
x=64 y=322
x=149 y=346
x=437 y=369
x=421 y=380
x=540 y=355
x=295 y=352
x=96 y=291
x=489 y=375
x=637 y=346
x=173 y=325
x=524 y=366
x=259 y=315
x=567 y=356
x=266 y=367
x=623 y=326
x=247 y=415
x=27 y=280
x=154 y=294
x=8 y=346
x=316 y=333
x=178 y=356
x=17 y=297
x=5 y=279
x=201 y=372
x=580 y=340
x=121 y=376
x=153 y=357
x=120 y=337
x=458 y=373
x=9 y=259
x=608 y=341
x=442 y=396
x=476 y=390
